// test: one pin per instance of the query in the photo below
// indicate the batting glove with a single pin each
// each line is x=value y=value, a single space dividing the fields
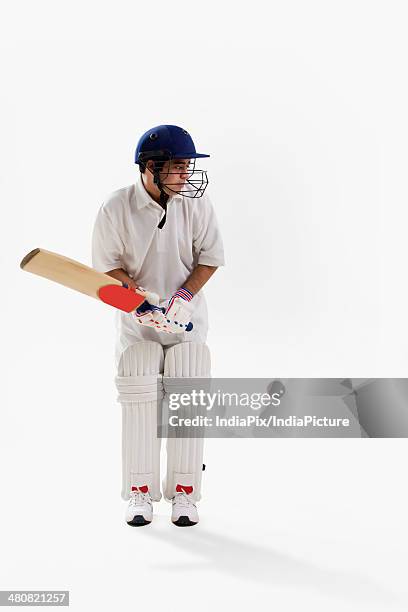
x=179 y=309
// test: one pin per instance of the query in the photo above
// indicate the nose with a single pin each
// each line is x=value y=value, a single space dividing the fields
x=183 y=177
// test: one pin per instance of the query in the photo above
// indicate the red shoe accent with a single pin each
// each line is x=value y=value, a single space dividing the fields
x=142 y=489
x=184 y=489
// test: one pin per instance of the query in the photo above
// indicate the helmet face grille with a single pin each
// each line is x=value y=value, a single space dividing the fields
x=193 y=187
x=191 y=184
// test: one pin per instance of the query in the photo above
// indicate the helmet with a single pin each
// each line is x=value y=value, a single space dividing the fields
x=169 y=142
x=167 y=138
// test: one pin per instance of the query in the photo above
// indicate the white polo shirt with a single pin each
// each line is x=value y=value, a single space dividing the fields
x=160 y=260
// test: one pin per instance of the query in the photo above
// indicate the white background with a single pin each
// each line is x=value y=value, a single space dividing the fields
x=302 y=106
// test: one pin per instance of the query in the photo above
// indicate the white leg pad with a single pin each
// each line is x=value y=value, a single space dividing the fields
x=139 y=371
x=185 y=455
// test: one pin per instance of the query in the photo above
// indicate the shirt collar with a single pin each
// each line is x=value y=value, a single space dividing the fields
x=144 y=199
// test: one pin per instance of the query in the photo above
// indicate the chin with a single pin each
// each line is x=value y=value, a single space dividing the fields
x=174 y=188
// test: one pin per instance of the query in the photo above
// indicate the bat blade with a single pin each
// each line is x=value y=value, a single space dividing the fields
x=82 y=278
x=120 y=297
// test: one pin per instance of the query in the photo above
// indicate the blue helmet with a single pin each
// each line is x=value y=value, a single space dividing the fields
x=171 y=141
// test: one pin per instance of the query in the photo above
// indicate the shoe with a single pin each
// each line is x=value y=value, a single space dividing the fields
x=140 y=509
x=184 y=512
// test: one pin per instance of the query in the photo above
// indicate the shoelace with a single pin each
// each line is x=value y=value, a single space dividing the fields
x=137 y=498
x=182 y=500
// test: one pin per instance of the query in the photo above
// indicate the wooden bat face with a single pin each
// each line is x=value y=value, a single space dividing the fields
x=79 y=277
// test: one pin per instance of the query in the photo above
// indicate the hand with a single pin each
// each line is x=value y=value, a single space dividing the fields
x=152 y=316
x=179 y=309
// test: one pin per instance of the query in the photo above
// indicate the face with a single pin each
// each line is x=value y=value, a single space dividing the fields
x=174 y=174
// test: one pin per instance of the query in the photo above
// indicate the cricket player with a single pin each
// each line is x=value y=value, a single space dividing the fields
x=160 y=235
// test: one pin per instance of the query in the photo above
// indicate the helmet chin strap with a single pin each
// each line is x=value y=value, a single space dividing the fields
x=164 y=197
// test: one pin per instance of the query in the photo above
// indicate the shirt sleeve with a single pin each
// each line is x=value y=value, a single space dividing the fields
x=107 y=246
x=207 y=240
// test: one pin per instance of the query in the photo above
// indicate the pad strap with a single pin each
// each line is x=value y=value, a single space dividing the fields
x=139 y=388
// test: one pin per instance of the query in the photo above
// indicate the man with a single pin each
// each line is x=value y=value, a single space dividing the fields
x=160 y=234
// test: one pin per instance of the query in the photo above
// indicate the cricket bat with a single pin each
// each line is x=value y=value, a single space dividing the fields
x=84 y=279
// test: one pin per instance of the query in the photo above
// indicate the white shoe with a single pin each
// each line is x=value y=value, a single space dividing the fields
x=184 y=512
x=140 y=509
